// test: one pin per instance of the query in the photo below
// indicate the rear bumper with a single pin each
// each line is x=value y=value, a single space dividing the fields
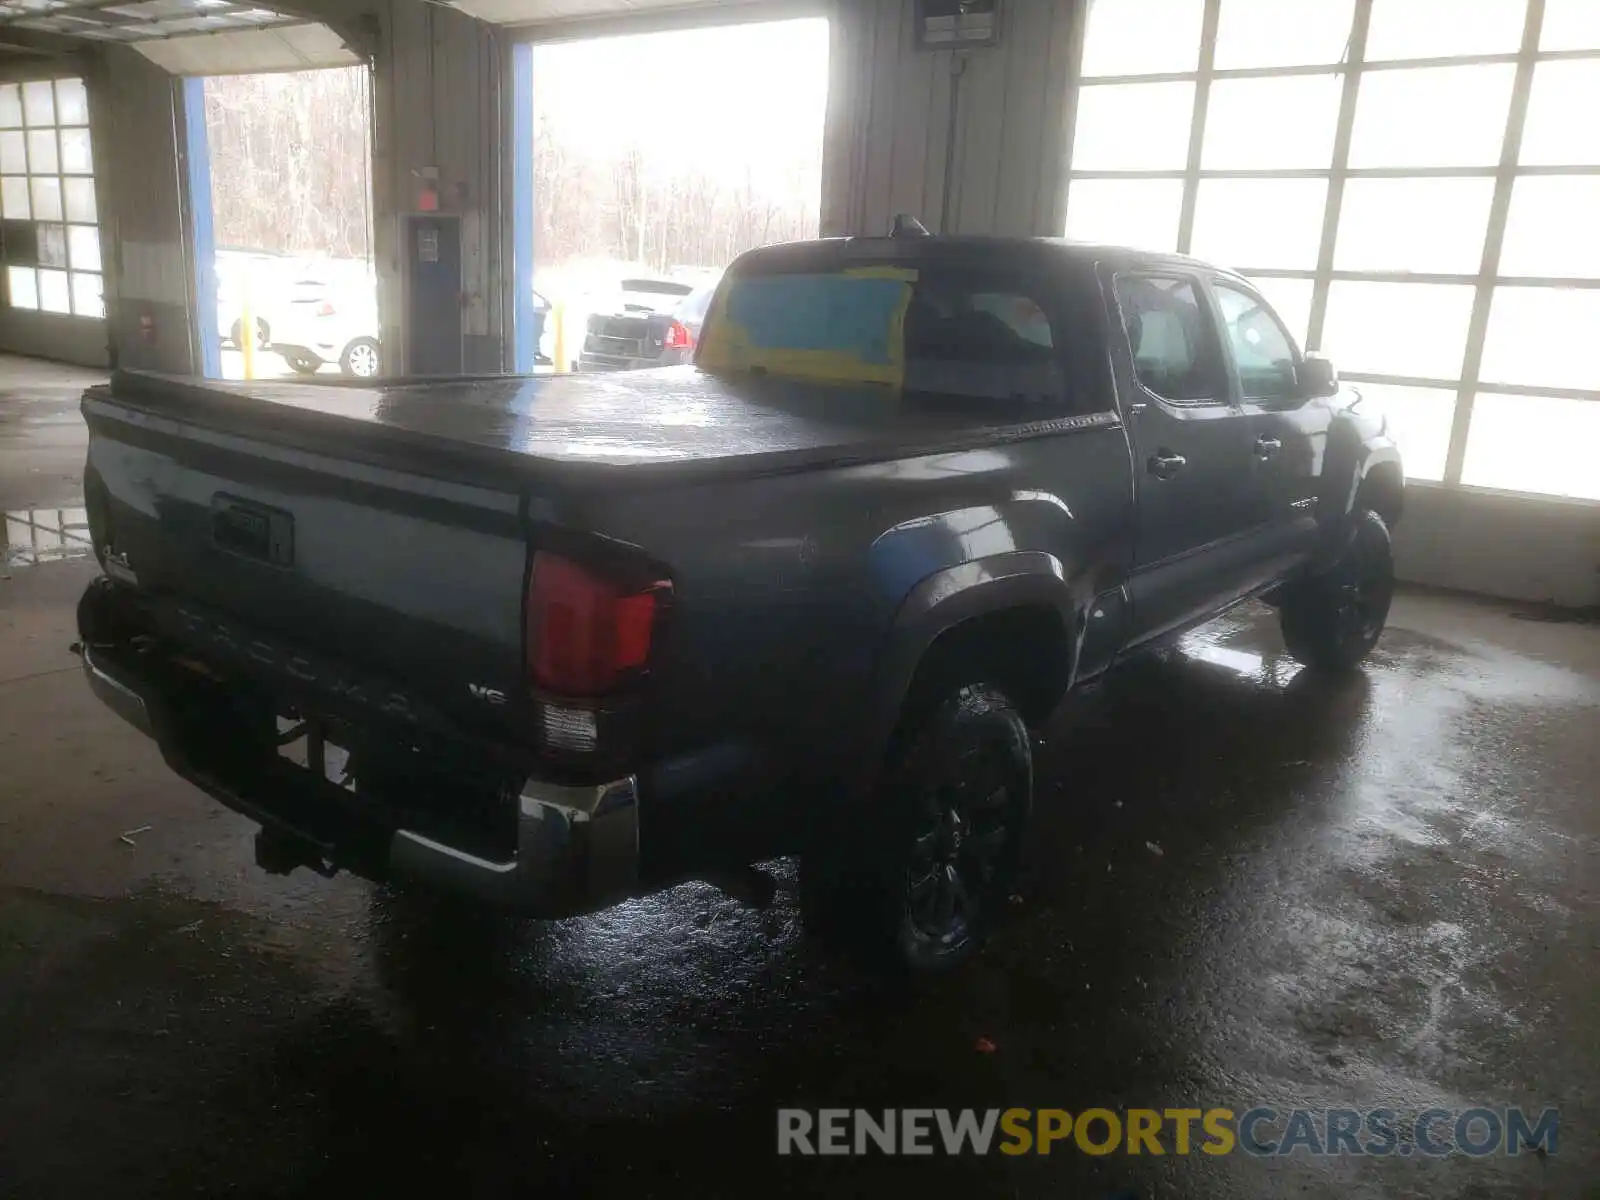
x=588 y=360
x=577 y=848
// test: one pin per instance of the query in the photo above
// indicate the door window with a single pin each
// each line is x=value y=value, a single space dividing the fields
x=1174 y=350
x=1261 y=349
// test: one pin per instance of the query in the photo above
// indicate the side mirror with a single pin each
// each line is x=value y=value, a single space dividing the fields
x=1316 y=377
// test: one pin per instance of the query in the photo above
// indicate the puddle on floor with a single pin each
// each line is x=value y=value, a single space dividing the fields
x=41 y=535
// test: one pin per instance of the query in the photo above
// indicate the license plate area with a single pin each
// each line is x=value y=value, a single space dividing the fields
x=252 y=530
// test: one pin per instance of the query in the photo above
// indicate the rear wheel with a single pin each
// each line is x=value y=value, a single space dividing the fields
x=920 y=889
x=263 y=333
x=360 y=358
x=1333 y=619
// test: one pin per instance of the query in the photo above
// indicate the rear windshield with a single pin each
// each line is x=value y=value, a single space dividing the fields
x=947 y=331
x=656 y=287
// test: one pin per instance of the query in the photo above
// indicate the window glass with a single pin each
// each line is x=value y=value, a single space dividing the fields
x=42 y=156
x=23 y=285
x=52 y=245
x=75 y=156
x=1125 y=212
x=13 y=153
x=39 y=103
x=1274 y=223
x=1291 y=300
x=1568 y=25
x=1551 y=228
x=55 y=293
x=80 y=200
x=10 y=106
x=46 y=191
x=1542 y=337
x=1416 y=329
x=1271 y=124
x=1174 y=351
x=1533 y=444
x=1437 y=117
x=1282 y=33
x=1444 y=28
x=1134 y=37
x=1426 y=225
x=14 y=204
x=83 y=241
x=1261 y=349
x=1419 y=423
x=72 y=102
x=1555 y=134
x=86 y=295
x=1133 y=126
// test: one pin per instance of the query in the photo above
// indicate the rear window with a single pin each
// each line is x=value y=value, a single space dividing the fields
x=946 y=331
x=656 y=287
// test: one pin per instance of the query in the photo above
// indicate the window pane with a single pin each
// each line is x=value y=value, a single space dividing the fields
x=1125 y=212
x=1282 y=33
x=1174 y=351
x=1261 y=351
x=1428 y=225
x=1417 y=329
x=23 y=287
x=1419 y=423
x=55 y=294
x=13 y=153
x=1141 y=126
x=84 y=243
x=1291 y=300
x=39 y=103
x=1543 y=337
x=1439 y=117
x=80 y=200
x=46 y=198
x=75 y=156
x=10 y=106
x=72 y=102
x=52 y=245
x=1554 y=133
x=1533 y=444
x=1271 y=123
x=1132 y=37
x=1441 y=28
x=1259 y=222
x=1568 y=25
x=1551 y=229
x=87 y=300
x=42 y=156
x=14 y=204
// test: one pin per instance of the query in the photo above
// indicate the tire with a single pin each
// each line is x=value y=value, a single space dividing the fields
x=360 y=358
x=1332 y=620
x=303 y=364
x=263 y=335
x=920 y=888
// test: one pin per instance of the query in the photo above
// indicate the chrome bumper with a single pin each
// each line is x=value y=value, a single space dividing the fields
x=577 y=847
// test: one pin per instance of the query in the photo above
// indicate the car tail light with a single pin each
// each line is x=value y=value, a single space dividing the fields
x=678 y=337
x=325 y=309
x=585 y=634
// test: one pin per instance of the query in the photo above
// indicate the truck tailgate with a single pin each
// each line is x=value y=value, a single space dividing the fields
x=375 y=566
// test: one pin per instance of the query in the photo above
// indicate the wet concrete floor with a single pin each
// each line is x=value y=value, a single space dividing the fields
x=1247 y=886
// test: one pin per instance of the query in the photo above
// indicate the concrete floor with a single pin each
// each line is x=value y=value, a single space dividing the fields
x=1377 y=892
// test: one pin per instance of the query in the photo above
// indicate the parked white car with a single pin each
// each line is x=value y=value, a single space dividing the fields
x=332 y=318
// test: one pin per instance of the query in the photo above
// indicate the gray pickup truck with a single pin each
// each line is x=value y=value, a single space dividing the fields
x=554 y=642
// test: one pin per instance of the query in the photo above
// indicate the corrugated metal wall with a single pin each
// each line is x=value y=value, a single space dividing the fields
x=889 y=112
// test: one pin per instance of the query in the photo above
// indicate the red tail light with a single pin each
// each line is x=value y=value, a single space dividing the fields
x=585 y=634
x=678 y=337
x=325 y=309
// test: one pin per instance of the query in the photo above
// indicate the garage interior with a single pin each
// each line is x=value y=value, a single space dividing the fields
x=1245 y=885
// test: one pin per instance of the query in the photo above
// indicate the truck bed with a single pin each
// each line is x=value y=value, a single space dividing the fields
x=670 y=424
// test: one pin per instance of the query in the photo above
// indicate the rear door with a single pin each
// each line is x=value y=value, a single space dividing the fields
x=1192 y=466
x=1288 y=435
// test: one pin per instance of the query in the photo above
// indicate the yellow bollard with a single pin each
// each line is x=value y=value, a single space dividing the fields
x=558 y=314
x=247 y=334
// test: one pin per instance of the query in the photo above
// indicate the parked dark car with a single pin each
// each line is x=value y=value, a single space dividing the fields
x=553 y=642
x=642 y=330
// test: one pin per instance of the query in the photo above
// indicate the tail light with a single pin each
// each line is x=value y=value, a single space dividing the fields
x=678 y=337
x=325 y=309
x=586 y=635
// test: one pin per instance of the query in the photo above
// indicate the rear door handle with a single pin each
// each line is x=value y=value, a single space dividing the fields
x=1266 y=447
x=1164 y=464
